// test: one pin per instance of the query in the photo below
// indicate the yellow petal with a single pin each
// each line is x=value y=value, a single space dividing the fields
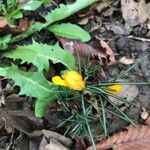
x=114 y=89
x=74 y=80
x=59 y=81
x=72 y=74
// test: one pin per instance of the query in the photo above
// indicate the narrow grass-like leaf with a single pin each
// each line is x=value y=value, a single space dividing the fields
x=123 y=83
x=124 y=72
x=87 y=123
x=98 y=89
x=119 y=110
x=103 y=115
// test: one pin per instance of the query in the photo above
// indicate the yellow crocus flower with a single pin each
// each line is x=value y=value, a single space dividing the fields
x=71 y=79
x=59 y=81
x=114 y=89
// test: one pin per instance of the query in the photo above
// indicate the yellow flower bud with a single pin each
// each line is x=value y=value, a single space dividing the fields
x=74 y=80
x=71 y=79
x=114 y=89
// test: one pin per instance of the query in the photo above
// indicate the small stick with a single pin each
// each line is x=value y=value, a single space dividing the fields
x=138 y=38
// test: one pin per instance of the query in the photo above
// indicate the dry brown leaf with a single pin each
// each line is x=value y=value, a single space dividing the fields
x=101 y=6
x=135 y=12
x=147 y=121
x=83 y=50
x=3 y=22
x=80 y=144
x=17 y=116
x=83 y=21
x=53 y=141
x=143 y=11
x=130 y=139
x=53 y=135
x=126 y=61
x=109 y=52
x=129 y=12
x=23 y=24
x=55 y=145
x=108 y=12
x=144 y=114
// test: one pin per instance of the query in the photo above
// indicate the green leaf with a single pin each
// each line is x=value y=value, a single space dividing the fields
x=31 y=5
x=64 y=11
x=4 y=41
x=46 y=2
x=36 y=26
x=71 y=31
x=3 y=71
x=39 y=54
x=41 y=106
x=2 y=7
x=31 y=84
x=11 y=4
x=18 y=15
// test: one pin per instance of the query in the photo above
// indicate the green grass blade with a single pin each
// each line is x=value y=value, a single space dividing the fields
x=104 y=116
x=122 y=74
x=87 y=123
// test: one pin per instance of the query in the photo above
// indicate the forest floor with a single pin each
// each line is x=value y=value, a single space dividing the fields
x=120 y=43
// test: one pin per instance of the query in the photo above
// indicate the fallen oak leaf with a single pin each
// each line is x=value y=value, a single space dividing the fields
x=131 y=138
x=82 y=50
x=109 y=52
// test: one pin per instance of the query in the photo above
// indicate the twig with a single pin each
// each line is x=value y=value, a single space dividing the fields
x=2 y=96
x=138 y=38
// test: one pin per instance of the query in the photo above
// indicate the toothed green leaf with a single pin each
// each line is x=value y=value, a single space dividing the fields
x=60 y=13
x=64 y=11
x=39 y=54
x=32 y=84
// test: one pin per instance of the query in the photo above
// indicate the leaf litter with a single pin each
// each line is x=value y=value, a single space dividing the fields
x=83 y=50
x=108 y=54
x=130 y=138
